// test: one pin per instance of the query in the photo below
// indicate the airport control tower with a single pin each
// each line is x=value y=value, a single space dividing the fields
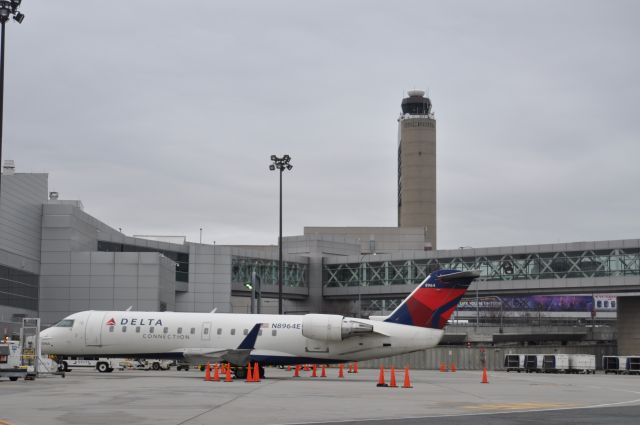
x=417 y=165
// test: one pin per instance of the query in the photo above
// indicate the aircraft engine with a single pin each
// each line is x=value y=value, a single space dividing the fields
x=332 y=327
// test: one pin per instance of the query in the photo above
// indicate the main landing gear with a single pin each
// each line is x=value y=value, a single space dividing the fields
x=241 y=372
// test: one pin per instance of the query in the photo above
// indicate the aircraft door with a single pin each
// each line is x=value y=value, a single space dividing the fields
x=206 y=331
x=93 y=329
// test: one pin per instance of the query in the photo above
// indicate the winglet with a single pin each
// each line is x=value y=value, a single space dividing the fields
x=249 y=342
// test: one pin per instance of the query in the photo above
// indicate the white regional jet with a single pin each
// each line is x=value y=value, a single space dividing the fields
x=264 y=338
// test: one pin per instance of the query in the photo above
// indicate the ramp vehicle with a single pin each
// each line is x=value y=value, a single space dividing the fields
x=514 y=362
x=10 y=361
x=555 y=363
x=101 y=364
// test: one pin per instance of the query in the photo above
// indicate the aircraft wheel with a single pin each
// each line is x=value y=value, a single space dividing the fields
x=102 y=367
x=156 y=366
x=240 y=372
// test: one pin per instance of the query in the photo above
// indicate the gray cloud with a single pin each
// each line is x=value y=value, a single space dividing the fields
x=161 y=116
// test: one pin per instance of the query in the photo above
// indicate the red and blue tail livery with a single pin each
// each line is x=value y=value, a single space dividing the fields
x=431 y=304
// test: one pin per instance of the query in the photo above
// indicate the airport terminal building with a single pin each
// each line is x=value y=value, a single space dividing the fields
x=57 y=260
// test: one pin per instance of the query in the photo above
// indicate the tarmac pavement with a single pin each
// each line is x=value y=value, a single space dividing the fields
x=185 y=398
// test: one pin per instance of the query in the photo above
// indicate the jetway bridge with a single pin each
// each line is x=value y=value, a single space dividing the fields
x=576 y=268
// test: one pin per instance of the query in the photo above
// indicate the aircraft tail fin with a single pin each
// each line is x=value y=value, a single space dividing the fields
x=431 y=304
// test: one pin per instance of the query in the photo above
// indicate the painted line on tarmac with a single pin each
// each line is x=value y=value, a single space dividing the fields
x=594 y=406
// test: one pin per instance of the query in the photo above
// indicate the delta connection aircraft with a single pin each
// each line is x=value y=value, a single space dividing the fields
x=198 y=338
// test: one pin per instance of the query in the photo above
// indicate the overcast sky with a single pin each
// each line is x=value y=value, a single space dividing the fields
x=161 y=115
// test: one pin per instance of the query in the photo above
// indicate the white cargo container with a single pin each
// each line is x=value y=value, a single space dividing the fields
x=514 y=362
x=582 y=363
x=614 y=364
x=533 y=362
x=555 y=363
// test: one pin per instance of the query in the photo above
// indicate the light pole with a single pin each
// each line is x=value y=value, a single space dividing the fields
x=256 y=292
x=8 y=8
x=280 y=164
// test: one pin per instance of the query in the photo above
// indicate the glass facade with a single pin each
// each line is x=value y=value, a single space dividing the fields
x=294 y=274
x=546 y=265
x=18 y=288
x=181 y=258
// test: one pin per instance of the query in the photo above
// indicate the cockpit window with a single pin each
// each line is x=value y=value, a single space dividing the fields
x=66 y=323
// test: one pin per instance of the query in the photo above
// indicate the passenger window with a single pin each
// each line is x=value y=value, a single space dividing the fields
x=137 y=329
x=179 y=330
x=219 y=331
x=165 y=330
x=193 y=331
x=246 y=331
x=206 y=331
x=260 y=332
x=151 y=330
x=274 y=332
x=111 y=328
x=124 y=329
x=233 y=331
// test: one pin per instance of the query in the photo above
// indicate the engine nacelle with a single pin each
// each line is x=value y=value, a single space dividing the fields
x=332 y=327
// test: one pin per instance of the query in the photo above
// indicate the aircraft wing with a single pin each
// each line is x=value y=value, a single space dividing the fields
x=236 y=356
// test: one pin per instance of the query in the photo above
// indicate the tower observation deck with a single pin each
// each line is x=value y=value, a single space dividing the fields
x=417 y=165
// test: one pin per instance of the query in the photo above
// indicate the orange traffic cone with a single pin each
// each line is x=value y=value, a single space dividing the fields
x=314 y=371
x=350 y=368
x=392 y=379
x=484 y=376
x=256 y=372
x=442 y=367
x=453 y=367
x=249 y=373
x=381 y=378
x=216 y=373
x=296 y=372
x=227 y=372
x=324 y=371
x=289 y=368
x=306 y=368
x=207 y=373
x=407 y=380
x=355 y=367
x=341 y=372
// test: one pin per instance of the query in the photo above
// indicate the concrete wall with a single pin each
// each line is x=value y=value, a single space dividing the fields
x=629 y=326
x=79 y=281
x=477 y=358
x=20 y=234
x=209 y=280
x=380 y=240
x=417 y=174
x=21 y=215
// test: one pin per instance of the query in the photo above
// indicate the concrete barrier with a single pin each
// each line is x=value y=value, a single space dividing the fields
x=476 y=358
